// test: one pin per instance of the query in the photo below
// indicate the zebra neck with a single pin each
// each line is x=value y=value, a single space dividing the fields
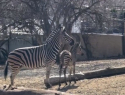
x=54 y=45
x=73 y=50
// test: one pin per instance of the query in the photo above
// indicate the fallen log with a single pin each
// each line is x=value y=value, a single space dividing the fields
x=89 y=75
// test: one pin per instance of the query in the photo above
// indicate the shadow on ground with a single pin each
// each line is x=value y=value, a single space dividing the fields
x=67 y=87
x=25 y=91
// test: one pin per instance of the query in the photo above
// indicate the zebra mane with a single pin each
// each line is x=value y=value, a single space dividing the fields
x=51 y=36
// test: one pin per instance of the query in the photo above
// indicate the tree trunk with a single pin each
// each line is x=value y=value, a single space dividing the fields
x=89 y=75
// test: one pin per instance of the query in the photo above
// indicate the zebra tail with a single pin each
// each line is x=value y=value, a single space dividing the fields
x=6 y=70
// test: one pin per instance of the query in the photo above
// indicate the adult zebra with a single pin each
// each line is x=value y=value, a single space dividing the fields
x=37 y=56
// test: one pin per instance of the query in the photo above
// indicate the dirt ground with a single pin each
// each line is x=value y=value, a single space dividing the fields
x=113 y=85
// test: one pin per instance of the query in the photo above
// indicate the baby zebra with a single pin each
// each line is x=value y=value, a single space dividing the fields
x=69 y=59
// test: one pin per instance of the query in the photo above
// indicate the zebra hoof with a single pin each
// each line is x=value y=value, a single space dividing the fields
x=4 y=87
x=59 y=84
x=75 y=82
x=12 y=88
x=66 y=83
x=48 y=85
x=58 y=88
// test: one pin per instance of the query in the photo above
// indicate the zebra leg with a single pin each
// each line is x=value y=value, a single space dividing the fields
x=14 y=72
x=70 y=72
x=74 y=73
x=47 y=83
x=60 y=72
x=65 y=75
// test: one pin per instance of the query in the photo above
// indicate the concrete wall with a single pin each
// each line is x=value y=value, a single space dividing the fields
x=104 y=46
x=22 y=41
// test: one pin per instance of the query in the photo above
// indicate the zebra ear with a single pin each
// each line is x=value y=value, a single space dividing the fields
x=80 y=44
x=63 y=29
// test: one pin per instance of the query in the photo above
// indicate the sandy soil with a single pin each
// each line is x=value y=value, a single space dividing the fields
x=113 y=85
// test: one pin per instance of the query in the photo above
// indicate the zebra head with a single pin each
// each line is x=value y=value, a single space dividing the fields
x=65 y=38
x=80 y=49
